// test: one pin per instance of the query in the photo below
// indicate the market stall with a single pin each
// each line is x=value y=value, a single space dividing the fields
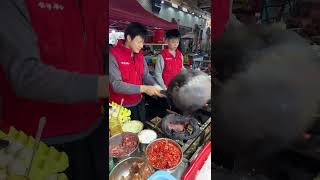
x=161 y=146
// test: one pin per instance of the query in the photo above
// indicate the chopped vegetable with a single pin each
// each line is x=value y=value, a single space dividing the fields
x=163 y=154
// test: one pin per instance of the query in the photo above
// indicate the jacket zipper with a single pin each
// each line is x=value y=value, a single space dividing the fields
x=82 y=20
x=135 y=68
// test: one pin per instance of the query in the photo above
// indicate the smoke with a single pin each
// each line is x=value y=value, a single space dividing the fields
x=190 y=90
x=270 y=90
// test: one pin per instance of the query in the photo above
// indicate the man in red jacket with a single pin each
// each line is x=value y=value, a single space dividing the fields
x=170 y=60
x=129 y=73
x=51 y=65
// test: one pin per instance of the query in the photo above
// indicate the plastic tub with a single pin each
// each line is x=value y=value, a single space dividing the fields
x=197 y=163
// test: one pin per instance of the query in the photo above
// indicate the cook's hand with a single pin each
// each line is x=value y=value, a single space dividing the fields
x=151 y=90
x=158 y=93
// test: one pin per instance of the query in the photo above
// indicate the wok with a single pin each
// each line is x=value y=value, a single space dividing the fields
x=189 y=91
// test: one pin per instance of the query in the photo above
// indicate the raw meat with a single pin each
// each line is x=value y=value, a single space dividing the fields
x=139 y=171
x=177 y=127
x=128 y=143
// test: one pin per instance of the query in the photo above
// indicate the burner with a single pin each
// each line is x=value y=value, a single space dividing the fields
x=180 y=127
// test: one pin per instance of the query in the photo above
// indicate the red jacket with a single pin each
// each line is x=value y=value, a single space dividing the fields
x=131 y=72
x=172 y=65
x=60 y=27
x=220 y=15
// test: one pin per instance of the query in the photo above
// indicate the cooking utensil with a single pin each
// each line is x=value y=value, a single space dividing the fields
x=120 y=109
x=189 y=90
x=42 y=123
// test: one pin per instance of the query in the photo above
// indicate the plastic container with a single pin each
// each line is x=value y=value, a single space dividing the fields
x=161 y=175
x=197 y=163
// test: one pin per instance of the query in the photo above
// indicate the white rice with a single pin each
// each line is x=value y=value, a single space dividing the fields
x=147 y=136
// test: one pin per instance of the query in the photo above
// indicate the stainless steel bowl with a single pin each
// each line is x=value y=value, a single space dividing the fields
x=122 y=168
x=117 y=140
x=170 y=140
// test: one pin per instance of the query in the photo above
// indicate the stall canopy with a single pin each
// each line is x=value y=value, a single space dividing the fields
x=121 y=12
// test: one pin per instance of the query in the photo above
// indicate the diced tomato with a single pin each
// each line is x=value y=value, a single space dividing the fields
x=164 y=154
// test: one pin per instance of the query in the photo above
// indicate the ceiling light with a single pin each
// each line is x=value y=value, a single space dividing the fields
x=174 y=5
x=184 y=9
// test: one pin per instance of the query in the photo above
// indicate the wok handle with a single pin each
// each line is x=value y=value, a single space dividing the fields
x=164 y=92
x=172 y=112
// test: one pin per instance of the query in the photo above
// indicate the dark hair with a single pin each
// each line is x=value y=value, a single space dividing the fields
x=135 y=29
x=172 y=34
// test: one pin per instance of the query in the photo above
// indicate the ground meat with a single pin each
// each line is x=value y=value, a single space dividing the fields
x=128 y=143
x=117 y=150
